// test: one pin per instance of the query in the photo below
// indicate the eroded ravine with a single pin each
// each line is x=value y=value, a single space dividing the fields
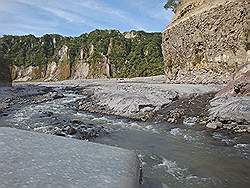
x=179 y=156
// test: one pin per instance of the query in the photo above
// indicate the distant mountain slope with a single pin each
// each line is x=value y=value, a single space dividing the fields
x=99 y=54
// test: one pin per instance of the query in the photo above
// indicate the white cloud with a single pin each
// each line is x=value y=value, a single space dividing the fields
x=102 y=11
x=75 y=11
x=85 y=13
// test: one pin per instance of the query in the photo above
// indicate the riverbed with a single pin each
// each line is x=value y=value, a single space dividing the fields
x=177 y=155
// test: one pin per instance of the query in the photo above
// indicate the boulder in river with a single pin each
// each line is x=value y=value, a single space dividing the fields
x=214 y=125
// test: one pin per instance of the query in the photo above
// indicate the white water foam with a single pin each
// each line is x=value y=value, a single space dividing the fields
x=181 y=174
x=180 y=132
x=241 y=145
x=176 y=132
x=223 y=138
x=189 y=138
x=151 y=128
x=102 y=119
x=172 y=168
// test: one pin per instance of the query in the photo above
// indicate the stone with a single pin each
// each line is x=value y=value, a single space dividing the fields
x=24 y=74
x=46 y=114
x=214 y=125
x=242 y=128
x=72 y=131
x=55 y=95
x=76 y=121
x=80 y=70
x=190 y=121
x=239 y=83
x=227 y=108
x=51 y=161
x=172 y=120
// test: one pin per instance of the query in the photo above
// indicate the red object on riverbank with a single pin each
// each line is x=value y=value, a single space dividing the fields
x=239 y=85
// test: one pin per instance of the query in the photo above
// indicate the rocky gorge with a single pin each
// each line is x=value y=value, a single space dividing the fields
x=191 y=56
x=189 y=127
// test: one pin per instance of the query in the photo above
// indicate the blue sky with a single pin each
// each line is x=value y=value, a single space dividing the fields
x=74 y=17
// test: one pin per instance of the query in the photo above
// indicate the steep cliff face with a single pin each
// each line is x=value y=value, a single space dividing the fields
x=99 y=54
x=5 y=73
x=207 y=41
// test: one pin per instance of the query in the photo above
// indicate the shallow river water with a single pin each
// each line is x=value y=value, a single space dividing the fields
x=179 y=156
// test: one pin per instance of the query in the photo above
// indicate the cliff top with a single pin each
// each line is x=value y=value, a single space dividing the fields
x=189 y=8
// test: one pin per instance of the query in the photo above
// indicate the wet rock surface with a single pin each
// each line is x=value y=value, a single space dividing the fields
x=138 y=99
x=66 y=127
x=175 y=110
x=82 y=132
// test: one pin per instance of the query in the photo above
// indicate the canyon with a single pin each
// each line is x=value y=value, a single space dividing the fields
x=179 y=99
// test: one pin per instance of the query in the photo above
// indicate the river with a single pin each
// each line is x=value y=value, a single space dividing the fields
x=179 y=156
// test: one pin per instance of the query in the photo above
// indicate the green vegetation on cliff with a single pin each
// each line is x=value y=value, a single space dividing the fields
x=5 y=74
x=131 y=54
x=172 y=4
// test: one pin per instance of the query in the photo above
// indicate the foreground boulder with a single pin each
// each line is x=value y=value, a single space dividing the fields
x=29 y=159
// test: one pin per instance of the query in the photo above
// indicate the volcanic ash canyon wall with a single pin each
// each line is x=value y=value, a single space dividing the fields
x=207 y=41
x=99 y=54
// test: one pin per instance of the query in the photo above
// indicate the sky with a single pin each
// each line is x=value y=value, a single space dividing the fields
x=74 y=17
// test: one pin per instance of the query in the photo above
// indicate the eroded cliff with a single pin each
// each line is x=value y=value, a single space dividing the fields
x=99 y=54
x=5 y=73
x=207 y=41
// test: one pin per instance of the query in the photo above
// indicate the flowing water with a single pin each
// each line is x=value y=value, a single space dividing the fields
x=179 y=156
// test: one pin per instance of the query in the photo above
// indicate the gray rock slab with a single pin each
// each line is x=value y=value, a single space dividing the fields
x=230 y=108
x=29 y=159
